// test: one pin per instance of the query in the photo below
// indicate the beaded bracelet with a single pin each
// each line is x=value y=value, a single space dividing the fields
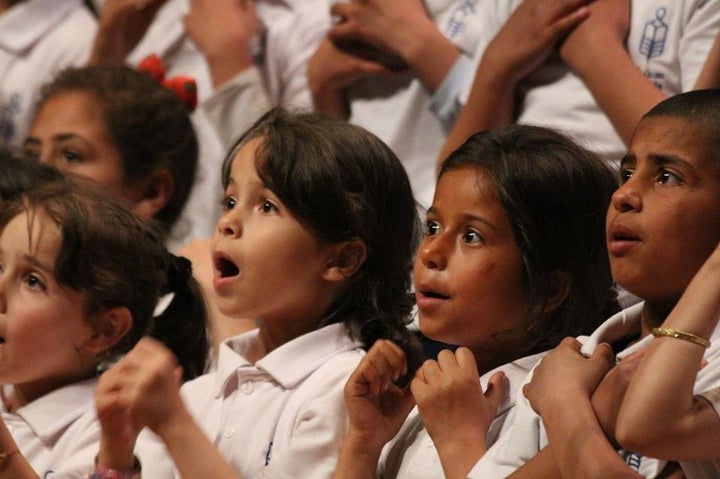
x=107 y=473
x=693 y=338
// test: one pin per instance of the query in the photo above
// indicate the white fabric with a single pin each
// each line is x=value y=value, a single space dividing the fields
x=668 y=41
x=526 y=435
x=58 y=433
x=283 y=416
x=38 y=39
x=412 y=453
x=398 y=110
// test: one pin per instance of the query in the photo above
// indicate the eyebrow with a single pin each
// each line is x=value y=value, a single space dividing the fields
x=38 y=264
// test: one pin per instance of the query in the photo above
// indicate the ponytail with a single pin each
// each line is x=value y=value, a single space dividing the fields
x=181 y=326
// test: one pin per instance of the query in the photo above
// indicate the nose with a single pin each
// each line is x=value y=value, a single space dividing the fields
x=230 y=224
x=432 y=252
x=628 y=197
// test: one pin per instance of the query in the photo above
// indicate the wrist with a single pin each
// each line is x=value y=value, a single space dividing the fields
x=101 y=472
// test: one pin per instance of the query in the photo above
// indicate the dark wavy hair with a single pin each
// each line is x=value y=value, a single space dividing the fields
x=556 y=195
x=342 y=182
x=119 y=260
x=147 y=123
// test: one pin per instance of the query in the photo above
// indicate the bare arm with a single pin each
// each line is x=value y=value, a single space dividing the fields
x=660 y=416
x=524 y=42
x=455 y=411
x=121 y=26
x=596 y=52
x=560 y=392
x=399 y=28
x=377 y=409
x=15 y=466
x=224 y=30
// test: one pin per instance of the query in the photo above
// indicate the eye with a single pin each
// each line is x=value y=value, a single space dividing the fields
x=625 y=175
x=71 y=156
x=31 y=154
x=472 y=237
x=228 y=203
x=34 y=282
x=431 y=228
x=268 y=206
x=667 y=177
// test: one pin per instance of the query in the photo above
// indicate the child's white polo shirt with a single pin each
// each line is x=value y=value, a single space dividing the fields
x=58 y=433
x=526 y=435
x=283 y=416
x=412 y=454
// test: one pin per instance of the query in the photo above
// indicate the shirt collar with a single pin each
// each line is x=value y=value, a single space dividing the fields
x=54 y=412
x=289 y=364
x=27 y=22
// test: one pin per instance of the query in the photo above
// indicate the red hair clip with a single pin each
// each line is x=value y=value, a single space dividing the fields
x=183 y=86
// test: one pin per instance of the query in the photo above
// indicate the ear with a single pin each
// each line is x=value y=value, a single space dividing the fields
x=561 y=284
x=112 y=325
x=156 y=192
x=345 y=259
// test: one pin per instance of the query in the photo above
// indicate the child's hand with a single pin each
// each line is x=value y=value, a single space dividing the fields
x=389 y=27
x=223 y=31
x=531 y=33
x=564 y=374
x=121 y=26
x=454 y=408
x=143 y=389
x=330 y=71
x=376 y=406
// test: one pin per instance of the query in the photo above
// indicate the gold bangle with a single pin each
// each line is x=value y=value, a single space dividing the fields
x=693 y=338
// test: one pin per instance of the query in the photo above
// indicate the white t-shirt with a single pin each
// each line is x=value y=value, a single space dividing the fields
x=526 y=435
x=58 y=433
x=38 y=39
x=668 y=41
x=283 y=416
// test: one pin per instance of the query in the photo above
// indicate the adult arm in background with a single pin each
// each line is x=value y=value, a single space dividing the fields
x=596 y=51
x=455 y=411
x=377 y=408
x=524 y=42
x=121 y=26
x=660 y=415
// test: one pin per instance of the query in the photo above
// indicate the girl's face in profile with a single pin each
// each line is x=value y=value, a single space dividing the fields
x=42 y=323
x=267 y=264
x=69 y=133
x=468 y=268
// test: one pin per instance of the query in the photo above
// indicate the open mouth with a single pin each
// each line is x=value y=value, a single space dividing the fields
x=226 y=268
x=624 y=237
x=433 y=295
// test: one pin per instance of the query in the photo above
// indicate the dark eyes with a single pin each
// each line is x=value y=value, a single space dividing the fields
x=228 y=203
x=664 y=177
x=431 y=228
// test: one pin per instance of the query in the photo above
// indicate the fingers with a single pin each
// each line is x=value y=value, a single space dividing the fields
x=497 y=388
x=383 y=364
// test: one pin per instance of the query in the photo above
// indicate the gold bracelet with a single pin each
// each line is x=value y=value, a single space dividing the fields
x=693 y=338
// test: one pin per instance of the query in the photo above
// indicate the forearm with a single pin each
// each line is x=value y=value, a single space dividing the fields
x=710 y=74
x=428 y=53
x=358 y=460
x=660 y=413
x=591 y=454
x=621 y=90
x=15 y=465
x=490 y=104
x=459 y=457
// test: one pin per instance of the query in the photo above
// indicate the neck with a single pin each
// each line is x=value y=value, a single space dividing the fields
x=653 y=315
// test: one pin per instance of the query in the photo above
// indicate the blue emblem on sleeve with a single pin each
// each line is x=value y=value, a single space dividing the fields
x=652 y=43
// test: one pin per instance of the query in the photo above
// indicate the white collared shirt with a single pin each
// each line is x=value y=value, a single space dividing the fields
x=58 y=433
x=283 y=416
